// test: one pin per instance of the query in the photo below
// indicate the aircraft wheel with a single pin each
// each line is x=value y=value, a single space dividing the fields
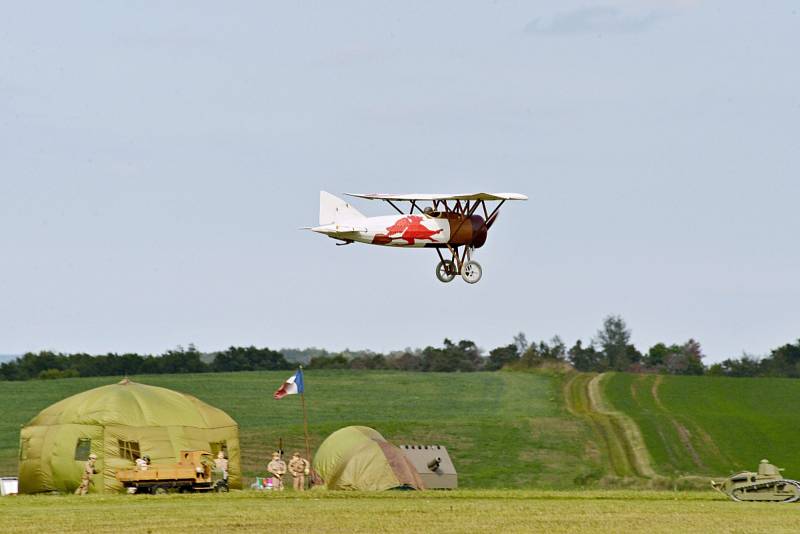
x=446 y=271
x=471 y=272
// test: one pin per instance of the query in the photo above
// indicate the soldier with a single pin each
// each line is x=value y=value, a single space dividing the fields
x=298 y=467
x=221 y=464
x=86 y=477
x=142 y=463
x=277 y=468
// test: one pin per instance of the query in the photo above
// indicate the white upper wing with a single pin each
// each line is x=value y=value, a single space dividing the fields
x=418 y=196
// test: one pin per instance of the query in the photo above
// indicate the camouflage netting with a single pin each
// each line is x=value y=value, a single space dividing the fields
x=119 y=423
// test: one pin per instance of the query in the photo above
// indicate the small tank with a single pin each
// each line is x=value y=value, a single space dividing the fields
x=767 y=485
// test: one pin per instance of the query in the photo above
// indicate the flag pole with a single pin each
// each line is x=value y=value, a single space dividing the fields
x=305 y=418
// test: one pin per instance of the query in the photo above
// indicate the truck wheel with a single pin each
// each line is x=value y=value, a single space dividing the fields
x=159 y=490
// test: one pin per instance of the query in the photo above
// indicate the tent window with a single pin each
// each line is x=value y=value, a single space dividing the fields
x=82 y=449
x=129 y=449
x=218 y=446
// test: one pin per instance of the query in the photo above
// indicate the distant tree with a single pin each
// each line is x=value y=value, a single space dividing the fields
x=587 y=359
x=656 y=357
x=369 y=361
x=693 y=353
x=613 y=340
x=180 y=360
x=405 y=361
x=463 y=356
x=686 y=359
x=302 y=356
x=329 y=362
x=541 y=352
x=501 y=356
x=50 y=374
x=521 y=341
x=249 y=359
x=742 y=367
x=783 y=361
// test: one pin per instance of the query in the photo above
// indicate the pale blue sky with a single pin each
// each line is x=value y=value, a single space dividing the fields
x=156 y=159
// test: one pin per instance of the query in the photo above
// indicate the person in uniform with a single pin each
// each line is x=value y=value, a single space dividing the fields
x=221 y=464
x=277 y=468
x=298 y=467
x=86 y=477
x=143 y=463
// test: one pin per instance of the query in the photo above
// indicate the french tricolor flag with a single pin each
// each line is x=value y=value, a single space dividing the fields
x=292 y=386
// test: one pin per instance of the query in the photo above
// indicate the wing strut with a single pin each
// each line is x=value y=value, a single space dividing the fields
x=395 y=207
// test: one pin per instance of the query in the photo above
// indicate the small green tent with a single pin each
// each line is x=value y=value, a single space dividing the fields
x=119 y=423
x=359 y=458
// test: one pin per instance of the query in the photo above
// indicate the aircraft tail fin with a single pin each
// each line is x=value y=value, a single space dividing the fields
x=333 y=209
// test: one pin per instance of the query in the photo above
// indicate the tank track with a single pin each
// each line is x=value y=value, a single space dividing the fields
x=767 y=485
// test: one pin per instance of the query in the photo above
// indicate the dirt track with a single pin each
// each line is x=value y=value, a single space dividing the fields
x=619 y=435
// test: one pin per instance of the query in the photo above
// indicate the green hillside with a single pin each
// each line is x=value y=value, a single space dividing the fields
x=711 y=425
x=505 y=429
x=502 y=429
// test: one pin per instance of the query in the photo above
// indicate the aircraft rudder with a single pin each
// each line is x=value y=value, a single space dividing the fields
x=333 y=209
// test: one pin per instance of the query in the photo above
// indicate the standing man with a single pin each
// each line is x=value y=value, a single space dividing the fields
x=277 y=468
x=298 y=467
x=221 y=464
x=86 y=477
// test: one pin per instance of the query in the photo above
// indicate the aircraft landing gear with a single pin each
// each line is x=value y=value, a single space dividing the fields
x=470 y=270
x=446 y=271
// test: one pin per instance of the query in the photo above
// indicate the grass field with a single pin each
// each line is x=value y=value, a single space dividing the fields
x=711 y=425
x=503 y=430
x=442 y=512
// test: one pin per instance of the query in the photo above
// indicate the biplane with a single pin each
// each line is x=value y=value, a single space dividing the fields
x=453 y=225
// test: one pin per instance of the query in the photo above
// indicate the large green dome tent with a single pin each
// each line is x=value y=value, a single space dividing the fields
x=119 y=423
x=359 y=458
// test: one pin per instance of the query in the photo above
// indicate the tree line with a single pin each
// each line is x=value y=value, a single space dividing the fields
x=609 y=350
x=48 y=364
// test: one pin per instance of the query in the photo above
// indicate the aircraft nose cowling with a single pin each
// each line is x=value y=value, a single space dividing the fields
x=479 y=231
x=465 y=231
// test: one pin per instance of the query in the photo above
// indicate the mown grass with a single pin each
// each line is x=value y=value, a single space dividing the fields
x=503 y=430
x=443 y=512
x=712 y=425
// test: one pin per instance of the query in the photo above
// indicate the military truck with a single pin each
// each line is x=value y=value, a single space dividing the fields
x=193 y=472
x=765 y=485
